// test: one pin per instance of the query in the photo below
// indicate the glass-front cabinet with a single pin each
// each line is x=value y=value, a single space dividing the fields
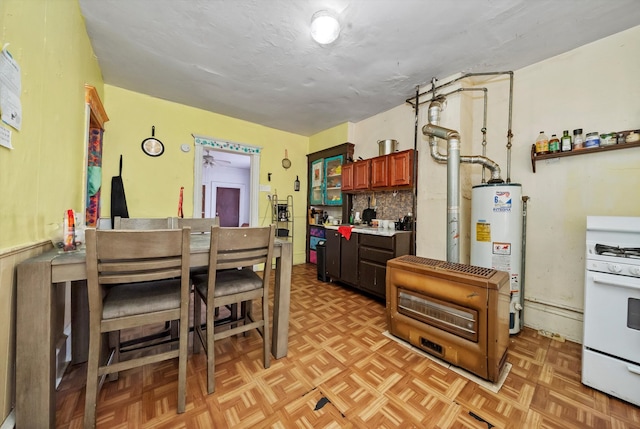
x=333 y=181
x=326 y=181
x=316 y=188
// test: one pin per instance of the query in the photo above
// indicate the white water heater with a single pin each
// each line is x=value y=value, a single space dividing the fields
x=496 y=236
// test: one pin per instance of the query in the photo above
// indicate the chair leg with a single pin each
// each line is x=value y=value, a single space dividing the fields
x=265 y=334
x=114 y=341
x=211 y=381
x=197 y=322
x=182 y=362
x=91 y=391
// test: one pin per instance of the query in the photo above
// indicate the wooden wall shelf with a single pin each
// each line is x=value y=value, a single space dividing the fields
x=535 y=158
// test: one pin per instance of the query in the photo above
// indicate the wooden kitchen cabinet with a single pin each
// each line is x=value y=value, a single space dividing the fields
x=333 y=254
x=361 y=174
x=401 y=168
x=347 y=177
x=380 y=171
x=342 y=257
x=374 y=252
x=349 y=259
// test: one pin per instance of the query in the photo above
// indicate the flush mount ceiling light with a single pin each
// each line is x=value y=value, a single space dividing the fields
x=325 y=27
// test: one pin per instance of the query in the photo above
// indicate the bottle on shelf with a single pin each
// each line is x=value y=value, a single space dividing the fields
x=565 y=142
x=542 y=144
x=554 y=144
x=578 y=139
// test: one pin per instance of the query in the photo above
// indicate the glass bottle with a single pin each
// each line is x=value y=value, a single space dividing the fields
x=565 y=141
x=542 y=144
x=554 y=144
x=578 y=139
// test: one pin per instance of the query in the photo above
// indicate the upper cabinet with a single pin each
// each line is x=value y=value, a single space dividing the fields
x=380 y=172
x=361 y=175
x=391 y=171
x=333 y=180
x=401 y=168
x=316 y=181
x=326 y=181
x=347 y=177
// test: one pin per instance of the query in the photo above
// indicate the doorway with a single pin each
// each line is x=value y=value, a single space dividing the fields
x=227 y=201
x=235 y=167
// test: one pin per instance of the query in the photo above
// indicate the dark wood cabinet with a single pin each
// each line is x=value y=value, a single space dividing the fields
x=375 y=251
x=401 y=168
x=342 y=257
x=380 y=172
x=347 y=177
x=361 y=261
x=349 y=259
x=345 y=151
x=333 y=254
x=361 y=174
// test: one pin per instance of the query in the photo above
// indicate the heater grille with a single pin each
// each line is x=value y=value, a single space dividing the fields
x=453 y=267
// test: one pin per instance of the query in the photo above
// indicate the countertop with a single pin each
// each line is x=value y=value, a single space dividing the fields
x=362 y=229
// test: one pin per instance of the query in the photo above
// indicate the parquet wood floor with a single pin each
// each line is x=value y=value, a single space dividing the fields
x=341 y=372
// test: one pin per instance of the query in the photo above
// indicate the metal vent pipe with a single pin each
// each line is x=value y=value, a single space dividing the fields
x=453 y=159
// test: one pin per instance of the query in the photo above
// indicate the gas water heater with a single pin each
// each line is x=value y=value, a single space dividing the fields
x=496 y=236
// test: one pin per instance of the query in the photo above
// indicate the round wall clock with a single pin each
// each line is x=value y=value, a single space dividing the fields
x=152 y=146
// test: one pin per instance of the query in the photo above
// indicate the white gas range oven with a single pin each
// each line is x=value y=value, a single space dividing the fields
x=611 y=341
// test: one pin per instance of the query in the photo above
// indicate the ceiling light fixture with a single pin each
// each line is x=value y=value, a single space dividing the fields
x=325 y=27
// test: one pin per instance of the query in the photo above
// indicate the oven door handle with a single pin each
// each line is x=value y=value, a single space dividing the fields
x=616 y=282
x=634 y=369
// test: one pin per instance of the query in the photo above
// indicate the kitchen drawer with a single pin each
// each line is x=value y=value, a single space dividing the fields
x=612 y=376
x=374 y=254
x=376 y=241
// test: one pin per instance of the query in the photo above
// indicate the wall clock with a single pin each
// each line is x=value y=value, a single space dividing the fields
x=152 y=146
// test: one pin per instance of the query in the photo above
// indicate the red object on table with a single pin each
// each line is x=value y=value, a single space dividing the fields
x=180 y=214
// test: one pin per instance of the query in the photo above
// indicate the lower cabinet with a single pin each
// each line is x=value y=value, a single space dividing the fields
x=342 y=257
x=361 y=261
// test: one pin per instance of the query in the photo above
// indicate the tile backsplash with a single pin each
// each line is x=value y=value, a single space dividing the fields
x=388 y=204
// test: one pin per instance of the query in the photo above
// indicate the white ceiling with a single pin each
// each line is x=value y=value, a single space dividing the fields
x=255 y=59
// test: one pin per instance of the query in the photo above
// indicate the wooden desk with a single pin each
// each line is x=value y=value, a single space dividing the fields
x=36 y=314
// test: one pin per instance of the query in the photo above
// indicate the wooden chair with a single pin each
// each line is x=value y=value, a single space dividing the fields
x=170 y=329
x=142 y=223
x=197 y=225
x=135 y=278
x=232 y=254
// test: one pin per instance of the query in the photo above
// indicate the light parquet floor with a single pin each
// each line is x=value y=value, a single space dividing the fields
x=341 y=372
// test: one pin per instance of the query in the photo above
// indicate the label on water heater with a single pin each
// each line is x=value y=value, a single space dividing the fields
x=483 y=232
x=502 y=201
x=501 y=248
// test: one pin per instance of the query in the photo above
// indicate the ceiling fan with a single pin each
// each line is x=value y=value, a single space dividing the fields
x=208 y=160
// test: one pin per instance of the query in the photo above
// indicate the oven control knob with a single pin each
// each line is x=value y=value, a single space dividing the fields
x=635 y=270
x=615 y=268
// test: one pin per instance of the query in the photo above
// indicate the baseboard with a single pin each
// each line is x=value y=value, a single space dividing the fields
x=556 y=320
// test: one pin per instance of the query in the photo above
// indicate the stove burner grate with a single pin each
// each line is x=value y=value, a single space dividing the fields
x=620 y=252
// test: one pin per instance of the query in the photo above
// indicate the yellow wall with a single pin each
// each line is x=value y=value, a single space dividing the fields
x=330 y=137
x=41 y=176
x=152 y=185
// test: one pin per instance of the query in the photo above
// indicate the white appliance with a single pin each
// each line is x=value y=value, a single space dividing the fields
x=496 y=237
x=611 y=343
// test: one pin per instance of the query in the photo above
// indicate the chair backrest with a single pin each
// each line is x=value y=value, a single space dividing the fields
x=238 y=247
x=142 y=223
x=129 y=256
x=197 y=225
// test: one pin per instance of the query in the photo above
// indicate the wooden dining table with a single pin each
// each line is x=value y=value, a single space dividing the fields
x=37 y=310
